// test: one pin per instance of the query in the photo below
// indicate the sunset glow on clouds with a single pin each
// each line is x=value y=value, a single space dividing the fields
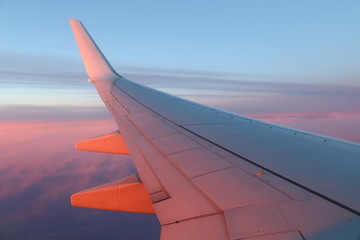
x=40 y=169
x=38 y=140
x=37 y=152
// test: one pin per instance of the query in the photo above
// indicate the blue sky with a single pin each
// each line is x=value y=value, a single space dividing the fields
x=315 y=42
x=250 y=57
x=294 y=39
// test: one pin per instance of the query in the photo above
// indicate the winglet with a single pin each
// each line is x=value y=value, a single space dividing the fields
x=96 y=65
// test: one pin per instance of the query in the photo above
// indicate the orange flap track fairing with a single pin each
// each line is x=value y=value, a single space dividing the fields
x=110 y=143
x=126 y=195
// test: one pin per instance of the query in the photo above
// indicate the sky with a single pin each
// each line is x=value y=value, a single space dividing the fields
x=289 y=62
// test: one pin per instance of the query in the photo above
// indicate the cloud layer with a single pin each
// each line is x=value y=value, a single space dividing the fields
x=39 y=167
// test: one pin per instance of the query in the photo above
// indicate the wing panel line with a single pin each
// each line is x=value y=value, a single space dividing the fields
x=173 y=165
x=250 y=161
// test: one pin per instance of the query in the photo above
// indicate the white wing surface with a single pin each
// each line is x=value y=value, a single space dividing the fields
x=212 y=174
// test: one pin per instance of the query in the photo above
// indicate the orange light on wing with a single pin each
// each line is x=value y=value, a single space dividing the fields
x=116 y=196
x=112 y=143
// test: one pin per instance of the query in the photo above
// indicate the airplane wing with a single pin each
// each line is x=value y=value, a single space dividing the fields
x=212 y=174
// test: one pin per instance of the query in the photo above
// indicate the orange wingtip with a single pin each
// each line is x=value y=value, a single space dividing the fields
x=115 y=196
x=112 y=143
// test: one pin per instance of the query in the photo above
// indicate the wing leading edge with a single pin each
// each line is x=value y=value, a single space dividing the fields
x=211 y=174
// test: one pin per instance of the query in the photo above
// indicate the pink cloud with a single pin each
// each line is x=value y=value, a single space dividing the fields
x=42 y=156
